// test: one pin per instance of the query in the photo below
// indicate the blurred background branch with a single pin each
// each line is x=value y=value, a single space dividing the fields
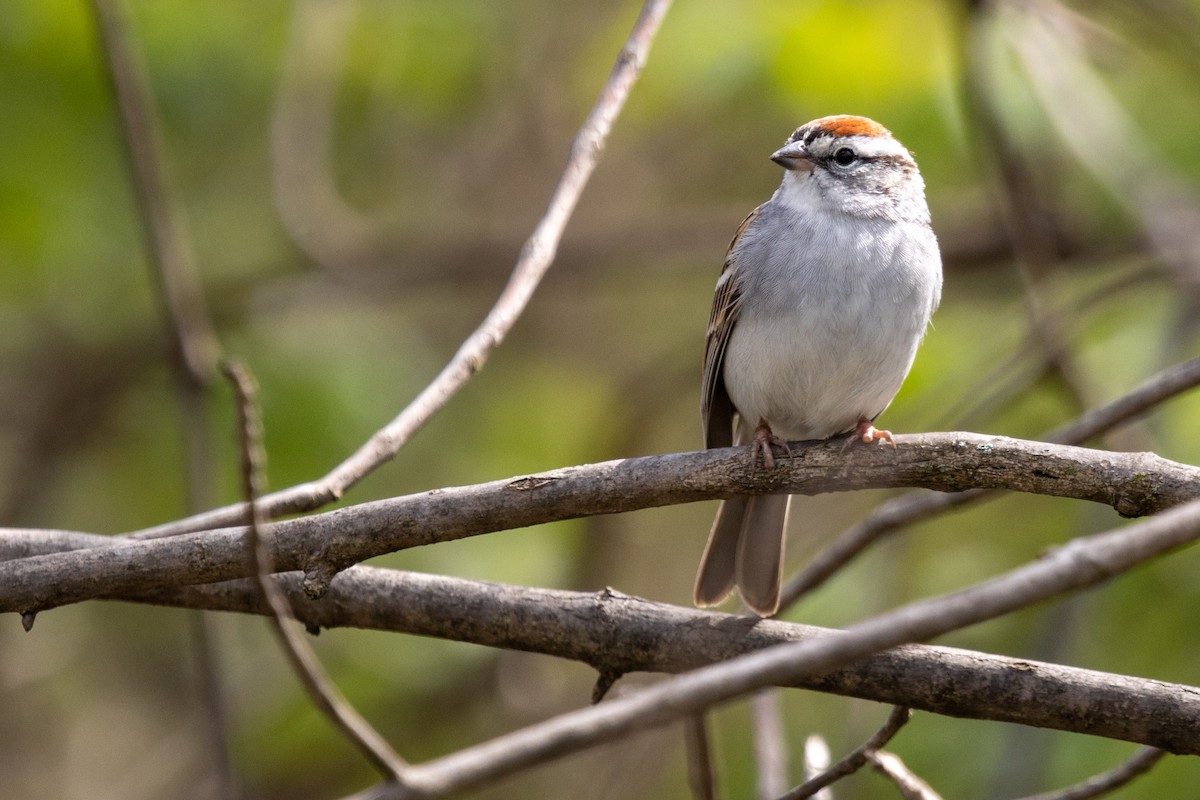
x=194 y=347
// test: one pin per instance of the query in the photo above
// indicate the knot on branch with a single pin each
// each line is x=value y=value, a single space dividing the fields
x=317 y=579
x=1138 y=496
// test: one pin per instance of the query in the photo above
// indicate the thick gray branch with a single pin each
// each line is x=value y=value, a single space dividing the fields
x=616 y=634
x=321 y=545
x=1079 y=564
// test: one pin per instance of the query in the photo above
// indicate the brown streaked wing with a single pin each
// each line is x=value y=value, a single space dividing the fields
x=716 y=409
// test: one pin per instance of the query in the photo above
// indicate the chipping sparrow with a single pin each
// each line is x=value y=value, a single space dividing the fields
x=825 y=295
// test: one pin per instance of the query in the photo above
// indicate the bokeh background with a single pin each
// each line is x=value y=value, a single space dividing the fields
x=356 y=180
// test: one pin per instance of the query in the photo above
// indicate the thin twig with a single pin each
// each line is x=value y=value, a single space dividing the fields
x=702 y=777
x=1079 y=564
x=910 y=785
x=193 y=341
x=854 y=760
x=895 y=514
x=195 y=344
x=209 y=673
x=1138 y=764
x=308 y=669
x=1170 y=382
x=535 y=259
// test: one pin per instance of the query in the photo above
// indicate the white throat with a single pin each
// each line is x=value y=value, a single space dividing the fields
x=799 y=192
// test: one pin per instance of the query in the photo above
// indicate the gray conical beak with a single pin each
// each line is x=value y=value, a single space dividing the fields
x=793 y=157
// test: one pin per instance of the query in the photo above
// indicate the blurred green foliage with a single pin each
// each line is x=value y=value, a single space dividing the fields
x=447 y=125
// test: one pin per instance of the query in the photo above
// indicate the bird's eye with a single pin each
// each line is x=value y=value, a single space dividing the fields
x=844 y=157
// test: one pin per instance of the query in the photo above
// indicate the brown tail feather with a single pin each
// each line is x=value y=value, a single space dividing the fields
x=760 y=552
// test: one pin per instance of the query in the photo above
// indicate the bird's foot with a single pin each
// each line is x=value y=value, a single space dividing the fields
x=764 y=440
x=867 y=433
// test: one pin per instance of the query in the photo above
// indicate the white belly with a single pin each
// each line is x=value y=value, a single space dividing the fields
x=807 y=384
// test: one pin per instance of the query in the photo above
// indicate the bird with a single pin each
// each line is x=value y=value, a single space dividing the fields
x=826 y=292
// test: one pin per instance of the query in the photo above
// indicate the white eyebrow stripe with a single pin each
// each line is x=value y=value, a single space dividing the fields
x=873 y=147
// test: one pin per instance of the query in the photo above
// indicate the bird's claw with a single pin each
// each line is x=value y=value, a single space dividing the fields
x=869 y=434
x=764 y=440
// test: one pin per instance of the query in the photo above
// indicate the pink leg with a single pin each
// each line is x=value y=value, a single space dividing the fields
x=763 y=441
x=869 y=434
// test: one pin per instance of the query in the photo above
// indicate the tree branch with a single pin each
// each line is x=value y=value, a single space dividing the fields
x=618 y=634
x=324 y=695
x=907 y=509
x=854 y=760
x=911 y=786
x=191 y=332
x=194 y=345
x=1081 y=563
x=1136 y=765
x=321 y=545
